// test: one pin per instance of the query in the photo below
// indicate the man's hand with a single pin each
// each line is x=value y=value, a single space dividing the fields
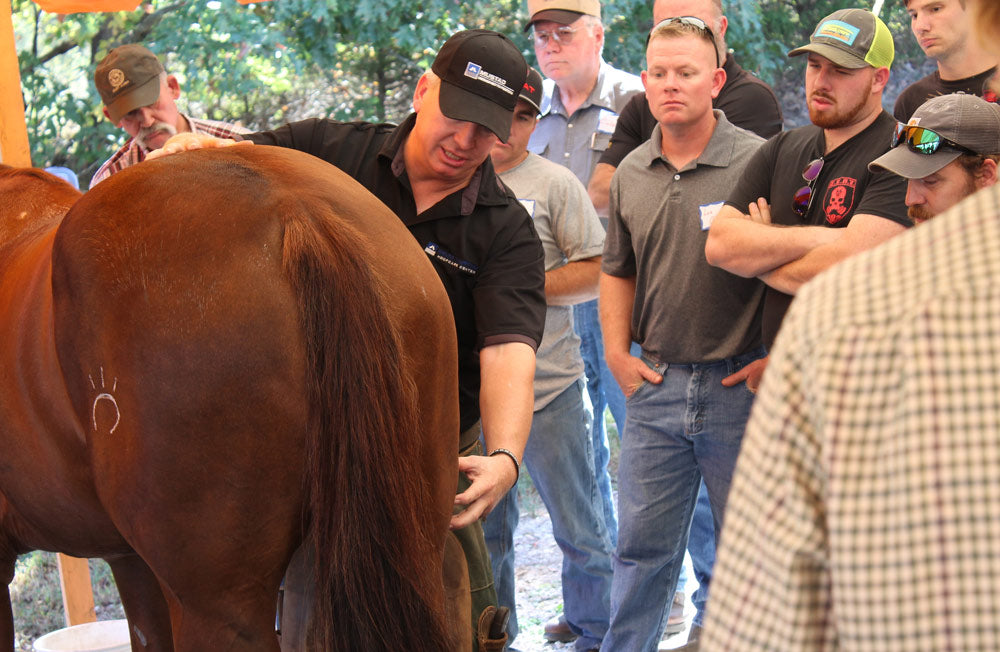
x=491 y=478
x=187 y=141
x=752 y=373
x=760 y=211
x=631 y=372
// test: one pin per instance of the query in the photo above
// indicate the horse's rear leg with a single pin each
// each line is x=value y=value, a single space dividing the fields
x=226 y=622
x=145 y=606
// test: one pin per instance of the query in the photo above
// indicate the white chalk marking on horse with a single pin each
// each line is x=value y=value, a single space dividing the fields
x=105 y=396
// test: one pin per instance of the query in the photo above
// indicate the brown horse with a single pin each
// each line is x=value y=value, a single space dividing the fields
x=212 y=359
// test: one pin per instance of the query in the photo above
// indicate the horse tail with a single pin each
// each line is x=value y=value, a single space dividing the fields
x=368 y=505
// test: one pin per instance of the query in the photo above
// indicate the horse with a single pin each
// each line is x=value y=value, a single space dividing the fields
x=210 y=361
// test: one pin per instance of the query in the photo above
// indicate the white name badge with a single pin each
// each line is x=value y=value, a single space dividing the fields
x=707 y=213
x=607 y=121
x=529 y=205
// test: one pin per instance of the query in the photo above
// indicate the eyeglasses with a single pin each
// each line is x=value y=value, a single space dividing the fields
x=560 y=36
x=802 y=200
x=922 y=140
x=689 y=21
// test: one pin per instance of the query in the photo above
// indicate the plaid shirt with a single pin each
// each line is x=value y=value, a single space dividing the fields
x=865 y=508
x=132 y=152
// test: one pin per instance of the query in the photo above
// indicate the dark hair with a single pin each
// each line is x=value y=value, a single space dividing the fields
x=972 y=162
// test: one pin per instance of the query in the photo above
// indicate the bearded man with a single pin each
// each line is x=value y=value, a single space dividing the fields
x=808 y=199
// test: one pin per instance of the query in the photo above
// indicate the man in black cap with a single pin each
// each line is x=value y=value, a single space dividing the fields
x=947 y=151
x=434 y=172
x=139 y=97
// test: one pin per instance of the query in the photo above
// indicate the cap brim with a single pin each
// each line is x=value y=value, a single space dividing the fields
x=834 y=54
x=903 y=161
x=561 y=16
x=459 y=104
x=140 y=96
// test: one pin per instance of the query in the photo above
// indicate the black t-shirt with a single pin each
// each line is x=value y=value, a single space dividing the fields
x=843 y=188
x=747 y=101
x=480 y=240
x=932 y=85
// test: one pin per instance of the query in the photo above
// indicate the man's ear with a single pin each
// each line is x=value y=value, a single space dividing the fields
x=986 y=175
x=107 y=114
x=174 y=86
x=423 y=85
x=881 y=79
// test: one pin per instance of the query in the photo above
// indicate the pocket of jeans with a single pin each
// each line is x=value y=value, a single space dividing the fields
x=658 y=367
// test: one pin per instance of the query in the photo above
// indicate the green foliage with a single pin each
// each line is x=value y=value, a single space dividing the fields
x=268 y=63
x=789 y=23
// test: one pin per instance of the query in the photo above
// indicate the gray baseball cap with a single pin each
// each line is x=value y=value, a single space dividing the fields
x=970 y=122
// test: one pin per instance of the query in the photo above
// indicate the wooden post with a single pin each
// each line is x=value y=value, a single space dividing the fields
x=77 y=592
x=14 y=149
x=74 y=573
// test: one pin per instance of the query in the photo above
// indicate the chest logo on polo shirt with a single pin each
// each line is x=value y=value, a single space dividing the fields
x=435 y=251
x=839 y=199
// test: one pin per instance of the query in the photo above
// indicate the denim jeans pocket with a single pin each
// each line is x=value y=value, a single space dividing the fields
x=658 y=367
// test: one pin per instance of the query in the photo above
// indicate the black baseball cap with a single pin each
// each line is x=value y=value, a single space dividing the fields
x=532 y=90
x=481 y=74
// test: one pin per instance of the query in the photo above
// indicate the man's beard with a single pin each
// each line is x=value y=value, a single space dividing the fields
x=839 y=119
x=146 y=132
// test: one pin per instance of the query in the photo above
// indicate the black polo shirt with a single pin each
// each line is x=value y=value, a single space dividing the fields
x=748 y=103
x=845 y=186
x=480 y=240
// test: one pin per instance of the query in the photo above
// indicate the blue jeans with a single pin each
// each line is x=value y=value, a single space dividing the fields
x=560 y=459
x=604 y=392
x=685 y=429
x=701 y=547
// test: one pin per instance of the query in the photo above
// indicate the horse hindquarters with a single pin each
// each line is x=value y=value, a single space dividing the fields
x=231 y=329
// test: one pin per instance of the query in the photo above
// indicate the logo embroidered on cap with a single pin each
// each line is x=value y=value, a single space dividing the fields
x=117 y=79
x=838 y=31
x=475 y=71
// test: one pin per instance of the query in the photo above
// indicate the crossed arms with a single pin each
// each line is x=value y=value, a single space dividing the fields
x=785 y=257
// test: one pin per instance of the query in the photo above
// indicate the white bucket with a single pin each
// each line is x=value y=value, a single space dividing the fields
x=102 y=636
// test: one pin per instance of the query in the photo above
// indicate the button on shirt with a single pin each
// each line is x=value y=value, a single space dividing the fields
x=577 y=141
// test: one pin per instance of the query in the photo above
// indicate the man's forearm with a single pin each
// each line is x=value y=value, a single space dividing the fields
x=599 y=188
x=748 y=248
x=573 y=283
x=615 y=306
x=863 y=232
x=506 y=395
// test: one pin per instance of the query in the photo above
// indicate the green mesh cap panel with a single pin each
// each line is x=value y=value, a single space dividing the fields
x=882 y=50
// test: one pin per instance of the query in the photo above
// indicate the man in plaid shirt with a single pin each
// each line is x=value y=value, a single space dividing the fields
x=139 y=97
x=865 y=506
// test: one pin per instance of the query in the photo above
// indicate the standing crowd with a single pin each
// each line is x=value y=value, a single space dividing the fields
x=647 y=244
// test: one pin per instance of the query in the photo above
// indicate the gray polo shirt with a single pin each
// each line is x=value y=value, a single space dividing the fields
x=685 y=310
x=577 y=141
x=569 y=230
